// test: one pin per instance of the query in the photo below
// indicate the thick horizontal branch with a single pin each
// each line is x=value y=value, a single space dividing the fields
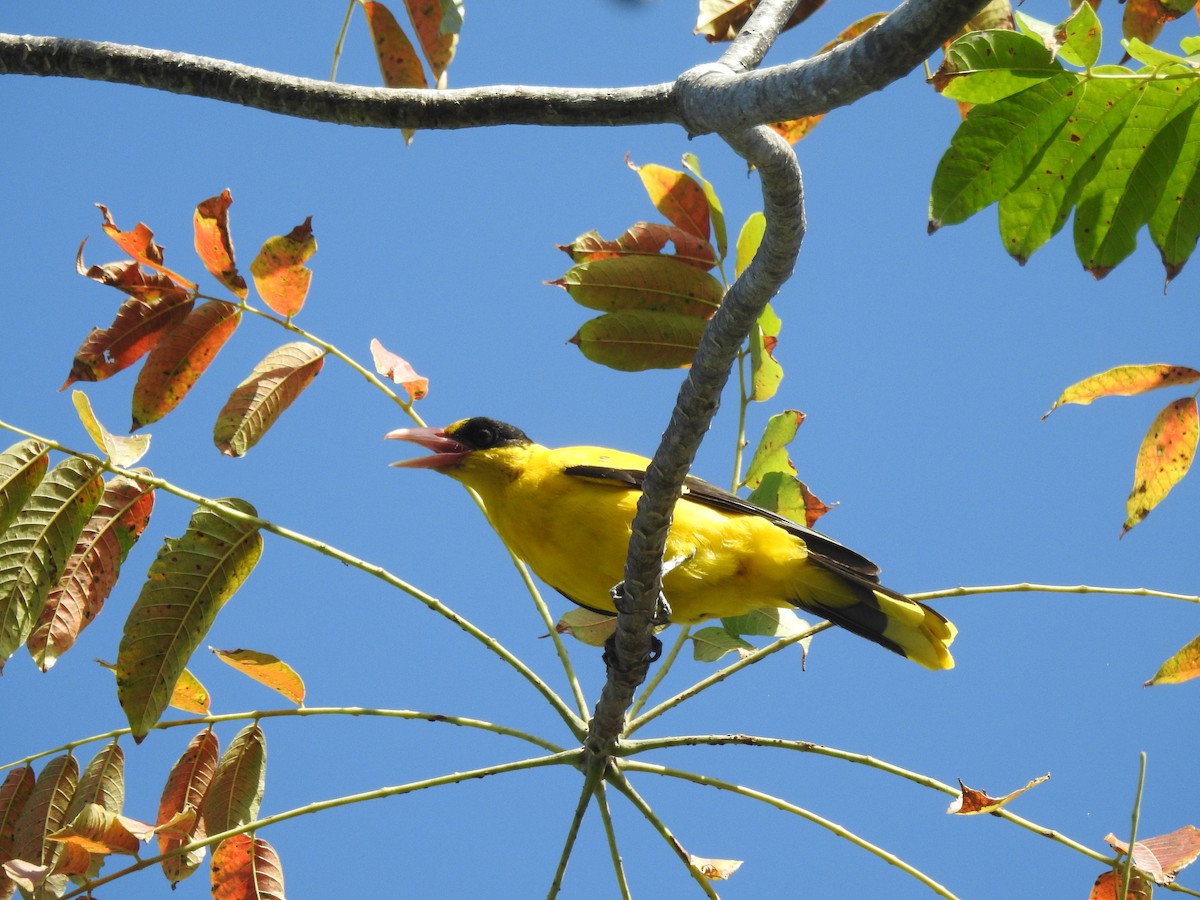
x=708 y=99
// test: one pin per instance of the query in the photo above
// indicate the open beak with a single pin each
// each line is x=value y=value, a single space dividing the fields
x=446 y=450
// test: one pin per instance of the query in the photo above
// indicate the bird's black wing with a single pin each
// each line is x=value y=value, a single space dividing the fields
x=699 y=491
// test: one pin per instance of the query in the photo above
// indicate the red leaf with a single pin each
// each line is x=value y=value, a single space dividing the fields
x=279 y=271
x=139 y=325
x=92 y=569
x=213 y=243
x=139 y=244
x=14 y=794
x=179 y=359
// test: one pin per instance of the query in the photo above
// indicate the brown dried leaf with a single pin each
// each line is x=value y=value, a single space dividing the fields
x=140 y=244
x=644 y=239
x=721 y=20
x=970 y=802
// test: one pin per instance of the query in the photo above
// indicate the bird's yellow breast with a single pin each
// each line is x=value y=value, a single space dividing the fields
x=574 y=533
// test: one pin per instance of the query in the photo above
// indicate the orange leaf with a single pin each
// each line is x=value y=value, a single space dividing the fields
x=141 y=323
x=257 y=403
x=177 y=361
x=279 y=271
x=398 y=61
x=97 y=830
x=677 y=196
x=246 y=867
x=644 y=239
x=139 y=244
x=183 y=793
x=1106 y=888
x=721 y=20
x=1165 y=456
x=397 y=369
x=970 y=802
x=92 y=569
x=1124 y=381
x=213 y=243
x=437 y=32
x=265 y=669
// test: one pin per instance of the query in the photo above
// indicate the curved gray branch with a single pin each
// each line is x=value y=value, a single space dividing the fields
x=783 y=206
x=757 y=36
x=717 y=101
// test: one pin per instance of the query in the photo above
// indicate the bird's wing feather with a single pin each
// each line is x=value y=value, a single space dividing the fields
x=696 y=490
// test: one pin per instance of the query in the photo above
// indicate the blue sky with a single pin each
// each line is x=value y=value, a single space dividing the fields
x=923 y=364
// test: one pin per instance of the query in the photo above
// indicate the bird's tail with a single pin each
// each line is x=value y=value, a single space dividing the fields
x=879 y=614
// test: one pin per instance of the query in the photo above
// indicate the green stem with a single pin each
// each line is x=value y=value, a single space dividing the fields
x=337 y=50
x=610 y=835
x=573 y=721
x=1049 y=589
x=594 y=776
x=1127 y=871
x=302 y=712
x=567 y=757
x=839 y=830
x=743 y=404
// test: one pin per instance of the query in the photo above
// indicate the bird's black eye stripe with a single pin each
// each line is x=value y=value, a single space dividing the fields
x=481 y=433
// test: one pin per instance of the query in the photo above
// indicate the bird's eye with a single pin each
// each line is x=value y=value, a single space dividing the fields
x=486 y=437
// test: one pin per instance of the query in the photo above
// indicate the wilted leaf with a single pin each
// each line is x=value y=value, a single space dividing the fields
x=398 y=370
x=1163 y=856
x=587 y=626
x=45 y=812
x=437 y=23
x=716 y=212
x=180 y=358
x=721 y=20
x=34 y=553
x=190 y=695
x=236 y=790
x=140 y=244
x=128 y=277
x=183 y=794
x=644 y=239
x=279 y=272
x=121 y=450
x=635 y=341
x=22 y=467
x=790 y=497
x=711 y=643
x=1124 y=381
x=189 y=581
x=714 y=869
x=140 y=324
x=970 y=802
x=1183 y=666
x=648 y=283
x=677 y=196
x=258 y=402
x=92 y=569
x=771 y=454
x=15 y=792
x=97 y=830
x=266 y=669
x=243 y=867
x=1165 y=456
x=214 y=245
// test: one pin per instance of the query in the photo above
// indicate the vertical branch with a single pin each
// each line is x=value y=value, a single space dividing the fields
x=699 y=397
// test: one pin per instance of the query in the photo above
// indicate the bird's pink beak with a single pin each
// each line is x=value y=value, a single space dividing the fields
x=445 y=449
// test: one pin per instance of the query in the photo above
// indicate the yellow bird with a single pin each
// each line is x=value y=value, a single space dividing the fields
x=568 y=512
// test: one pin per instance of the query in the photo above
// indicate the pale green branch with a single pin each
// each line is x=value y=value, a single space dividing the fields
x=610 y=835
x=1026 y=586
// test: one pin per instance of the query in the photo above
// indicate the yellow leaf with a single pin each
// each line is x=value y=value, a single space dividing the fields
x=1165 y=456
x=1124 y=381
x=265 y=669
x=190 y=695
x=279 y=271
x=123 y=451
x=1183 y=666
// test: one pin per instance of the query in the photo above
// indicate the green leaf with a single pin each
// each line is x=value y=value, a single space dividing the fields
x=22 y=467
x=257 y=403
x=189 y=581
x=235 y=794
x=765 y=372
x=784 y=493
x=1175 y=222
x=650 y=283
x=771 y=454
x=772 y=622
x=716 y=213
x=994 y=147
x=1037 y=207
x=636 y=341
x=1151 y=56
x=986 y=66
x=35 y=548
x=748 y=240
x=710 y=644
x=1119 y=199
x=1083 y=37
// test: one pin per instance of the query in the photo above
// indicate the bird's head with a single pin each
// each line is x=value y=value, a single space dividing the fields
x=453 y=444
